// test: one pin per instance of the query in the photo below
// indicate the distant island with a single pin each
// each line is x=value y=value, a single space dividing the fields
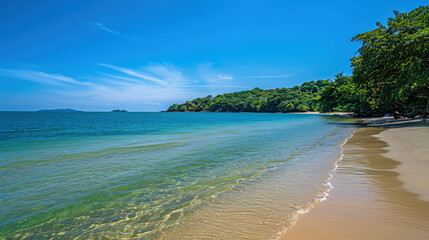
x=118 y=110
x=59 y=110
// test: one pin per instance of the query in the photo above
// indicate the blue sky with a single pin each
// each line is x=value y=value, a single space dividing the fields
x=146 y=55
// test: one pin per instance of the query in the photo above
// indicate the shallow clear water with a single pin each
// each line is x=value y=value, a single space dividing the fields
x=155 y=175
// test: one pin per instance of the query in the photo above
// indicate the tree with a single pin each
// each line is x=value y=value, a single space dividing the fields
x=190 y=106
x=342 y=95
x=393 y=62
x=173 y=108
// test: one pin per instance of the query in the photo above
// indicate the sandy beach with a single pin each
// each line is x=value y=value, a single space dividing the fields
x=379 y=189
x=410 y=146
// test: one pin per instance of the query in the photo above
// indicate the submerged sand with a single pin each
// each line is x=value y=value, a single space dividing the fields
x=379 y=189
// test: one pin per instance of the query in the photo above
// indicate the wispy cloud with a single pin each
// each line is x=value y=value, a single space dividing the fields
x=170 y=74
x=209 y=75
x=151 y=85
x=42 y=77
x=135 y=74
x=116 y=77
x=104 y=28
x=225 y=77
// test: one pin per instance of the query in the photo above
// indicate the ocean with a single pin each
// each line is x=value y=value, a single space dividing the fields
x=100 y=175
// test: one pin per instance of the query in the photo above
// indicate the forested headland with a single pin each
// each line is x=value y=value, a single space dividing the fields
x=390 y=73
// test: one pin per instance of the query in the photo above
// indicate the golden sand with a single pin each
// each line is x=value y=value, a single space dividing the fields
x=410 y=146
x=370 y=199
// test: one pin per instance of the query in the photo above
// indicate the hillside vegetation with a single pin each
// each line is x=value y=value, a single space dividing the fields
x=390 y=73
x=296 y=99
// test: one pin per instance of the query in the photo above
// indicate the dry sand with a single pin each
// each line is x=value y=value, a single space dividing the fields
x=379 y=188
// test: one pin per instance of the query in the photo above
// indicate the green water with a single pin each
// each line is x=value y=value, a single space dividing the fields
x=137 y=175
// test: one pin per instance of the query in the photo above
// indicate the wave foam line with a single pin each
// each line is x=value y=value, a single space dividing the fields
x=323 y=196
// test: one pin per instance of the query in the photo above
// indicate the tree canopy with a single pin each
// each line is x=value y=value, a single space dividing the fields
x=297 y=99
x=393 y=62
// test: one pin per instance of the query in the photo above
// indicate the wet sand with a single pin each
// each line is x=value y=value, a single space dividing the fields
x=410 y=146
x=375 y=195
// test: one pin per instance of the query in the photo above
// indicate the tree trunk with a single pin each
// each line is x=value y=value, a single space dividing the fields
x=427 y=106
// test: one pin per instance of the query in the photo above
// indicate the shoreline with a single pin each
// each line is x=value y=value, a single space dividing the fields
x=340 y=114
x=325 y=195
x=265 y=208
x=373 y=183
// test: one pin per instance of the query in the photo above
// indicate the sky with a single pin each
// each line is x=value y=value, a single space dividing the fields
x=147 y=55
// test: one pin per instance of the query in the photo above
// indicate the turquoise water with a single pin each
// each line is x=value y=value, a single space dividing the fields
x=139 y=175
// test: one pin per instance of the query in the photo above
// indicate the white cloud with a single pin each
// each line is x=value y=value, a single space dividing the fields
x=224 y=77
x=135 y=74
x=102 y=27
x=152 y=85
x=42 y=77
x=211 y=76
x=105 y=76
x=169 y=74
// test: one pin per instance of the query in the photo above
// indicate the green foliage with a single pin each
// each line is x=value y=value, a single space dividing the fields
x=296 y=99
x=393 y=62
x=342 y=95
x=173 y=108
